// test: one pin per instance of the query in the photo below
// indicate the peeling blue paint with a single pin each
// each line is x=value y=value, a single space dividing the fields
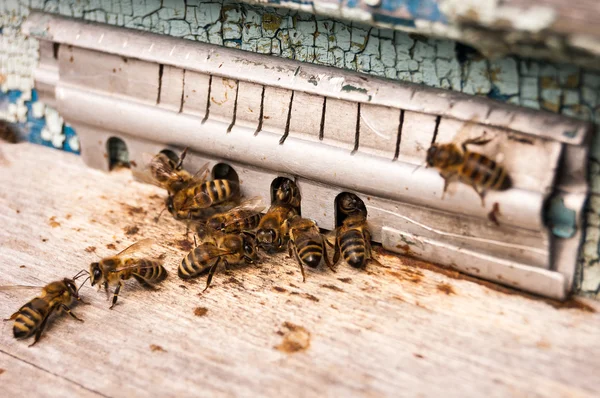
x=394 y=20
x=418 y=9
x=560 y=219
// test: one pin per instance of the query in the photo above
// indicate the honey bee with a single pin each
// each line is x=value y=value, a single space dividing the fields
x=244 y=217
x=115 y=269
x=349 y=204
x=272 y=231
x=31 y=318
x=230 y=249
x=473 y=168
x=195 y=199
x=288 y=194
x=168 y=173
x=353 y=242
x=306 y=243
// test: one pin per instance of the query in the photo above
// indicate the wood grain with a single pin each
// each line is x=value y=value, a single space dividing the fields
x=392 y=330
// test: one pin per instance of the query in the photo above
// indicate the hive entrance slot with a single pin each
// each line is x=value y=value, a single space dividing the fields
x=223 y=171
x=118 y=155
x=285 y=183
x=345 y=203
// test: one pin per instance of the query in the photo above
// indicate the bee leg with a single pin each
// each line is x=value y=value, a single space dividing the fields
x=370 y=258
x=325 y=254
x=68 y=311
x=293 y=249
x=211 y=272
x=446 y=178
x=336 y=251
x=38 y=334
x=144 y=282
x=179 y=164
x=12 y=317
x=480 y=193
x=116 y=294
x=479 y=141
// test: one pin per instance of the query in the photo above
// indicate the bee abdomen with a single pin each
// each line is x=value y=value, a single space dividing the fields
x=191 y=266
x=485 y=172
x=28 y=319
x=310 y=253
x=353 y=247
x=152 y=271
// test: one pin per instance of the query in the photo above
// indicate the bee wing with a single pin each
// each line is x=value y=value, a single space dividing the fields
x=134 y=267
x=192 y=202
x=19 y=287
x=253 y=206
x=199 y=176
x=157 y=164
x=135 y=249
x=214 y=252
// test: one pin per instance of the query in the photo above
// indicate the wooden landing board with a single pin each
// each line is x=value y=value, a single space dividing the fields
x=393 y=330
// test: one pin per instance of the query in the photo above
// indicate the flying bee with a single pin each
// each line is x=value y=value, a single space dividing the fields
x=198 y=195
x=230 y=249
x=306 y=243
x=472 y=168
x=244 y=217
x=272 y=231
x=31 y=318
x=353 y=242
x=128 y=263
x=168 y=172
x=288 y=194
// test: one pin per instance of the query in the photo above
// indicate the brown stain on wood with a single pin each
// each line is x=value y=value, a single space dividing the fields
x=1 y=371
x=408 y=274
x=279 y=289
x=90 y=249
x=418 y=356
x=131 y=210
x=345 y=280
x=111 y=246
x=155 y=348
x=53 y=223
x=307 y=296
x=200 y=311
x=571 y=303
x=332 y=287
x=184 y=244
x=131 y=230
x=295 y=338
x=446 y=288
x=494 y=213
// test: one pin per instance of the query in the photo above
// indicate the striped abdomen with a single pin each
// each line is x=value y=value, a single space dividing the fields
x=29 y=318
x=354 y=248
x=484 y=172
x=151 y=270
x=247 y=221
x=310 y=251
x=197 y=261
x=216 y=191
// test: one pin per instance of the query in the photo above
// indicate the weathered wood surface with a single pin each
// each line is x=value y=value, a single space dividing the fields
x=396 y=330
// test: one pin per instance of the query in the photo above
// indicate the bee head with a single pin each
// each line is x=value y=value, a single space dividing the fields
x=95 y=273
x=249 y=247
x=268 y=239
x=71 y=287
x=432 y=153
x=169 y=204
x=350 y=203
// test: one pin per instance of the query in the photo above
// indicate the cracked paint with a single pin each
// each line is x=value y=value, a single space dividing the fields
x=293 y=34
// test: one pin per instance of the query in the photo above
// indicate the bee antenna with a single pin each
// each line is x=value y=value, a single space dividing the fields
x=83 y=283
x=181 y=157
x=418 y=167
x=160 y=214
x=80 y=273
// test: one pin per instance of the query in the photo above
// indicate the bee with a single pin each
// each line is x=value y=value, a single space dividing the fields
x=306 y=243
x=353 y=242
x=272 y=231
x=349 y=204
x=168 y=173
x=194 y=200
x=244 y=217
x=31 y=318
x=230 y=249
x=473 y=168
x=115 y=269
x=288 y=194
